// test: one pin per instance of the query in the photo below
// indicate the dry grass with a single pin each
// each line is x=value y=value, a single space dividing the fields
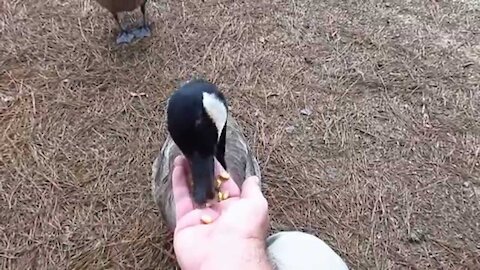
x=385 y=168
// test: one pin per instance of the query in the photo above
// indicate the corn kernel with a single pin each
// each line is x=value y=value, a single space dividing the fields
x=223 y=195
x=224 y=176
x=206 y=219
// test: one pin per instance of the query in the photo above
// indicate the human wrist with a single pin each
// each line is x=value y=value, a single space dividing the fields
x=238 y=254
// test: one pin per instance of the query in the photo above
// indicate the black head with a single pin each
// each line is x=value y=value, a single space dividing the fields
x=197 y=120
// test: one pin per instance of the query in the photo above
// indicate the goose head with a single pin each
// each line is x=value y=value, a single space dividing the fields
x=197 y=120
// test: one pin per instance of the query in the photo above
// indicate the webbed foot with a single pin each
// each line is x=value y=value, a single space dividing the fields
x=125 y=37
x=142 y=32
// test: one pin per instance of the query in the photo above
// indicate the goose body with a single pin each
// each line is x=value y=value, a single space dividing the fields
x=116 y=6
x=239 y=160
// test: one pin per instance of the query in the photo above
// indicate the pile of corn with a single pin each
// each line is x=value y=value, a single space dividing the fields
x=224 y=176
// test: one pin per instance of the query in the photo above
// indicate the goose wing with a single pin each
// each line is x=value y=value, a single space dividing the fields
x=161 y=180
x=240 y=159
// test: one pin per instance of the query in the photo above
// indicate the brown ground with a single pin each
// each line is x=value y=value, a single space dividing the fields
x=382 y=163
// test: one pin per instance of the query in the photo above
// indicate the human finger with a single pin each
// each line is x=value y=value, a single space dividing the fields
x=181 y=193
x=180 y=161
x=251 y=189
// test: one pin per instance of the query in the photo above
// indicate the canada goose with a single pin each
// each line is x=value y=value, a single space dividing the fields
x=200 y=128
x=117 y=6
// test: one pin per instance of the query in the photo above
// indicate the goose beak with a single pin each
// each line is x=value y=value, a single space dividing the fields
x=203 y=173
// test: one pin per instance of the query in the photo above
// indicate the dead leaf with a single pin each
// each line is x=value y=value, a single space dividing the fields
x=306 y=111
x=137 y=94
x=289 y=129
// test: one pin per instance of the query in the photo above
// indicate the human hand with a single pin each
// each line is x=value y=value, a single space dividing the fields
x=236 y=236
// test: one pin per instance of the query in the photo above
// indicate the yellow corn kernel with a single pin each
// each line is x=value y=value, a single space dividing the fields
x=219 y=183
x=223 y=195
x=224 y=176
x=206 y=219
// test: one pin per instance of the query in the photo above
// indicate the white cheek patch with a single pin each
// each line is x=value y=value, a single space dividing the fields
x=216 y=110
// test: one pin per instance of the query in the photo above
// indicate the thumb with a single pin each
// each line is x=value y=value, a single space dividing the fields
x=251 y=188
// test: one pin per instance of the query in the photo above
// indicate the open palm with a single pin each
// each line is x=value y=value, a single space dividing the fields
x=240 y=220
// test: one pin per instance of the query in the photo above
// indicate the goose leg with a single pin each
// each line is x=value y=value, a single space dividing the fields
x=124 y=36
x=144 y=30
